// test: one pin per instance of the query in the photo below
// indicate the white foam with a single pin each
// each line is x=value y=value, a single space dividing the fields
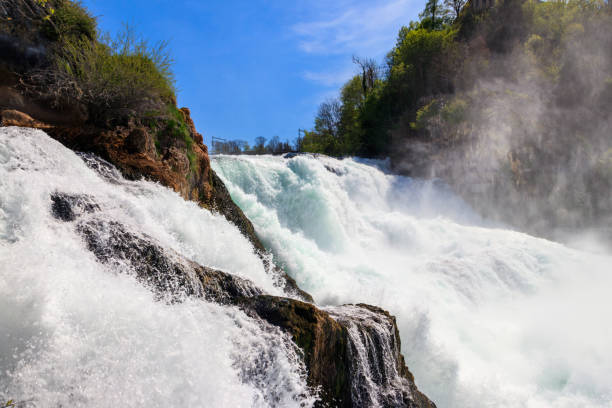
x=74 y=333
x=487 y=316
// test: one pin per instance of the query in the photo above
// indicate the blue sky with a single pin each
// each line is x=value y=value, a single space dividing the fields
x=260 y=67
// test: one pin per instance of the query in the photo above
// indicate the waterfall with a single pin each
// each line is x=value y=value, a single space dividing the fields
x=116 y=292
x=487 y=316
x=101 y=300
x=374 y=355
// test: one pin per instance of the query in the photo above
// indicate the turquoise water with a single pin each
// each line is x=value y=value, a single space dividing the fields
x=488 y=316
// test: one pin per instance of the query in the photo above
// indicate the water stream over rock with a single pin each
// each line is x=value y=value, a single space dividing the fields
x=117 y=292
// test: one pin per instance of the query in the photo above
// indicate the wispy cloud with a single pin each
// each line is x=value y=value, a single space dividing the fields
x=344 y=28
x=361 y=27
x=330 y=78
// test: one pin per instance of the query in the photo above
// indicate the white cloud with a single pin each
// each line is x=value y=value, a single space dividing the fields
x=330 y=78
x=359 y=27
x=351 y=27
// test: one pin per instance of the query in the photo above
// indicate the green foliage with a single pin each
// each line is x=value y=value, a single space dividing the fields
x=434 y=59
x=121 y=76
x=338 y=129
x=435 y=15
x=13 y=403
x=314 y=142
x=174 y=127
x=425 y=114
x=68 y=20
x=114 y=79
x=413 y=71
x=535 y=45
x=413 y=63
x=352 y=96
x=454 y=112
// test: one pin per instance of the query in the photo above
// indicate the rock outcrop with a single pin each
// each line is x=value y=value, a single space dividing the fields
x=349 y=372
x=323 y=341
x=138 y=152
x=12 y=117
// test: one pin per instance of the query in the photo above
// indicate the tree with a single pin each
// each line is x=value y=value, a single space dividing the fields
x=435 y=15
x=328 y=118
x=353 y=100
x=260 y=143
x=243 y=145
x=369 y=73
x=455 y=6
x=232 y=147
x=273 y=145
x=286 y=146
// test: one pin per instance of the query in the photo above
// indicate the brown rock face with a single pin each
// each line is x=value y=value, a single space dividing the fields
x=132 y=147
x=187 y=118
x=375 y=330
x=321 y=338
x=11 y=117
x=133 y=151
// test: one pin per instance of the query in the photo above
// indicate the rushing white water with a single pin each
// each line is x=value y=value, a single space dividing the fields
x=373 y=351
x=74 y=332
x=488 y=317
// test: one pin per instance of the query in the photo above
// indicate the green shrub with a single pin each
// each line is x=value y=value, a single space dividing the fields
x=454 y=112
x=425 y=114
x=68 y=19
x=121 y=76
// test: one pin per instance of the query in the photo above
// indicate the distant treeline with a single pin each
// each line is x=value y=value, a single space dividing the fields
x=261 y=146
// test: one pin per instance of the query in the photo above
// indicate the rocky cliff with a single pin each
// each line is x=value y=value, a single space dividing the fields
x=139 y=151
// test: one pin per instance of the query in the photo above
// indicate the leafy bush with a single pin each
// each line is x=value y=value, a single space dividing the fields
x=454 y=112
x=119 y=76
x=114 y=78
x=68 y=19
x=425 y=114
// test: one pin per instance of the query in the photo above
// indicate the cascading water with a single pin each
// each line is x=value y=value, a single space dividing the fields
x=374 y=356
x=487 y=316
x=77 y=325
